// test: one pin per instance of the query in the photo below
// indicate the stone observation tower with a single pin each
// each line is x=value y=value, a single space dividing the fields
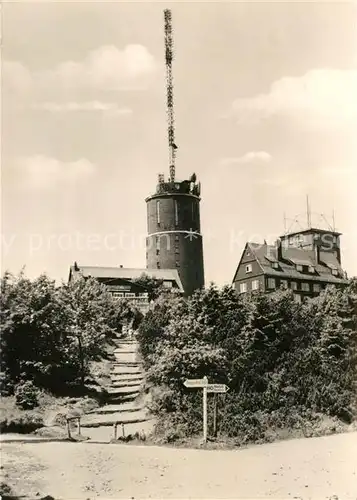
x=174 y=234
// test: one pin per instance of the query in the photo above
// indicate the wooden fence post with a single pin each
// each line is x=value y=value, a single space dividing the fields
x=68 y=429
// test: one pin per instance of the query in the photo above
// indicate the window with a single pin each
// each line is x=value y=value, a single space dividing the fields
x=305 y=287
x=177 y=264
x=255 y=284
x=316 y=287
x=158 y=212
x=176 y=213
x=158 y=265
x=293 y=285
x=157 y=242
x=177 y=250
x=177 y=238
x=284 y=284
x=117 y=294
x=271 y=282
x=334 y=272
x=275 y=265
x=299 y=267
x=248 y=268
x=129 y=295
x=167 y=284
x=311 y=269
x=157 y=251
x=297 y=297
x=243 y=287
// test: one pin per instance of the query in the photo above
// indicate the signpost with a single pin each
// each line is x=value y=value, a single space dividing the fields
x=217 y=388
x=202 y=383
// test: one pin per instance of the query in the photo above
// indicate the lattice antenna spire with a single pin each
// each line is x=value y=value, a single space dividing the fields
x=169 y=55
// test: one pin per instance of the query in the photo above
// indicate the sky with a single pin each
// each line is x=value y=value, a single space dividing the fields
x=266 y=114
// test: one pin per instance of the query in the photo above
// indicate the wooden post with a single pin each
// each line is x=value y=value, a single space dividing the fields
x=68 y=429
x=215 y=415
x=115 y=426
x=205 y=412
x=123 y=430
x=79 y=425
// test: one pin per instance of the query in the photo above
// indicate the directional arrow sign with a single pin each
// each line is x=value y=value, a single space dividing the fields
x=196 y=382
x=218 y=388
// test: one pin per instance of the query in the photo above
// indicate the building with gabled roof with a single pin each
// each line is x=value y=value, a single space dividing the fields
x=305 y=261
x=121 y=282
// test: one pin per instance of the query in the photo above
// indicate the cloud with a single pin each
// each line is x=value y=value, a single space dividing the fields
x=106 y=68
x=321 y=98
x=41 y=172
x=250 y=157
x=111 y=108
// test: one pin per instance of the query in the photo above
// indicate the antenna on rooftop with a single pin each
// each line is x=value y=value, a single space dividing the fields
x=333 y=220
x=308 y=212
x=169 y=55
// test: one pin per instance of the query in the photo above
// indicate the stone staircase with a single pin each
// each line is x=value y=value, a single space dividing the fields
x=126 y=406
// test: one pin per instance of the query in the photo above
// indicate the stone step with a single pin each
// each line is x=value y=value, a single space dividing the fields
x=124 y=390
x=94 y=420
x=129 y=370
x=134 y=364
x=118 y=383
x=122 y=398
x=126 y=359
x=130 y=406
x=124 y=351
x=130 y=345
x=128 y=377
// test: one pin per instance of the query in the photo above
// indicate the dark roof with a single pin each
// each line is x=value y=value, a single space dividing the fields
x=265 y=254
x=127 y=273
x=311 y=230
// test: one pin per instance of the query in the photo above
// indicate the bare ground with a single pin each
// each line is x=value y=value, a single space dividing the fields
x=306 y=468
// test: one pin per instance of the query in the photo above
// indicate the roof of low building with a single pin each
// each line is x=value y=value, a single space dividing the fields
x=266 y=254
x=127 y=273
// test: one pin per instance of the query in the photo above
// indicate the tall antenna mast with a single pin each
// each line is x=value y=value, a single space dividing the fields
x=308 y=212
x=169 y=55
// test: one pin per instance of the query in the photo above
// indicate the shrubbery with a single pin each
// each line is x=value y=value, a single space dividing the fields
x=287 y=364
x=26 y=395
x=50 y=335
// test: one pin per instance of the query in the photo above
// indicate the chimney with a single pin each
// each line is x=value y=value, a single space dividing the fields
x=317 y=253
x=76 y=268
x=279 y=250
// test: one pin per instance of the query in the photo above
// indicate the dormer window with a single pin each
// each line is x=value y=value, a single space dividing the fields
x=334 y=272
x=248 y=268
x=311 y=269
x=275 y=265
x=299 y=268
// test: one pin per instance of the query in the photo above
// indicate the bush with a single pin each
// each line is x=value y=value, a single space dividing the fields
x=26 y=395
x=289 y=366
x=22 y=423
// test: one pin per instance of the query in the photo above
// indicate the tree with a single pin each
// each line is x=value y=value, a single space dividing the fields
x=153 y=286
x=50 y=334
x=32 y=325
x=94 y=318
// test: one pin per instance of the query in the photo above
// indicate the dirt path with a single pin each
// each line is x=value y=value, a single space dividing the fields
x=308 y=468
